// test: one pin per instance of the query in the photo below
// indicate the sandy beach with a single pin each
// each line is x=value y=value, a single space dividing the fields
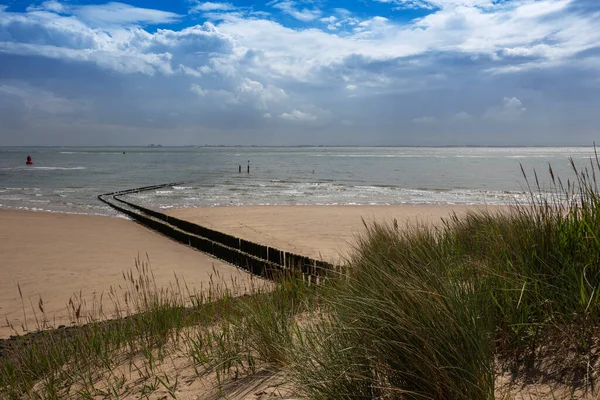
x=56 y=257
x=325 y=232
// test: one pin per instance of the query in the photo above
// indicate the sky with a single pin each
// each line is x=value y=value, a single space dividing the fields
x=299 y=72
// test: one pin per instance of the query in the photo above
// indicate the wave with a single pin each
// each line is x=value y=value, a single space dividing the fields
x=376 y=155
x=30 y=168
x=103 y=211
x=57 y=168
x=11 y=197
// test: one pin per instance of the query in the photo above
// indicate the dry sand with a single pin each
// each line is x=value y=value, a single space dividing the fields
x=54 y=256
x=57 y=255
x=316 y=231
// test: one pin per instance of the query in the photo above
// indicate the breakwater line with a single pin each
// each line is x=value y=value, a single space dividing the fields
x=264 y=261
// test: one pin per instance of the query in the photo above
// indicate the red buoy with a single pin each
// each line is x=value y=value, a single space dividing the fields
x=29 y=161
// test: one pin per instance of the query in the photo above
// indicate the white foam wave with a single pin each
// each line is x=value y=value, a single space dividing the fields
x=34 y=168
x=375 y=155
x=57 y=168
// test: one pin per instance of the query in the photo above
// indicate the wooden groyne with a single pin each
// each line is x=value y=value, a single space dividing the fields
x=267 y=262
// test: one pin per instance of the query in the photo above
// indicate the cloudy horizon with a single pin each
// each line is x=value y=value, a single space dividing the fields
x=293 y=72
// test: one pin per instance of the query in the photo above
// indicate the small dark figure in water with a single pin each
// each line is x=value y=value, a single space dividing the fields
x=248 y=166
x=240 y=169
x=29 y=160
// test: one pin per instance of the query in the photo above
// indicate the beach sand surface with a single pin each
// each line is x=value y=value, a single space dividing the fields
x=321 y=232
x=57 y=257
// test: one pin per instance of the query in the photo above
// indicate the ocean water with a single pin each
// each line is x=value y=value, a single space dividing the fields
x=69 y=179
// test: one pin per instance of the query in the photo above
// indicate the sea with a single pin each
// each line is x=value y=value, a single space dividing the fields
x=69 y=179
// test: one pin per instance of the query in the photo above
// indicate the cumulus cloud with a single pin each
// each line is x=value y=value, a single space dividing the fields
x=510 y=110
x=246 y=67
x=219 y=96
x=336 y=22
x=210 y=6
x=51 y=5
x=263 y=97
x=543 y=40
x=248 y=92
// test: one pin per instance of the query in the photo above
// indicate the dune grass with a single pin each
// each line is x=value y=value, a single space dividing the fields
x=419 y=312
x=438 y=313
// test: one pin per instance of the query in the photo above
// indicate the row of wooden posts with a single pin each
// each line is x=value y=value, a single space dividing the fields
x=267 y=262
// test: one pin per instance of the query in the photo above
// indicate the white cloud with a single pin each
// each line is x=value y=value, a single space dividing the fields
x=331 y=19
x=117 y=14
x=248 y=92
x=298 y=116
x=51 y=5
x=408 y=4
x=210 y=6
x=260 y=95
x=433 y=4
x=342 y=11
x=252 y=66
x=198 y=90
x=510 y=110
x=335 y=23
x=219 y=95
x=504 y=30
x=289 y=7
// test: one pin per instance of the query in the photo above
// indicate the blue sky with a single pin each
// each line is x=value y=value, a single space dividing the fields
x=287 y=72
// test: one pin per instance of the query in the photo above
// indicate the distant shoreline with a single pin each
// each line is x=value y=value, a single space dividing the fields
x=300 y=146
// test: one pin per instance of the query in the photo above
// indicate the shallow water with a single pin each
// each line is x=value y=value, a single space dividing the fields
x=69 y=179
